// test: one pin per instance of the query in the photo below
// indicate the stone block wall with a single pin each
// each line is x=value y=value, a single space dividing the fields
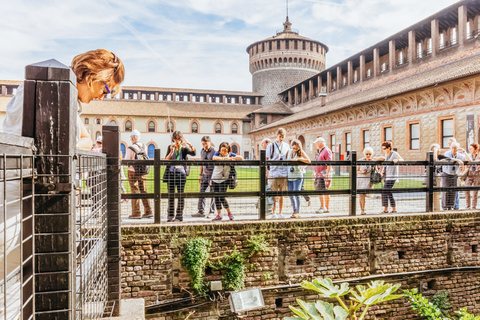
x=303 y=250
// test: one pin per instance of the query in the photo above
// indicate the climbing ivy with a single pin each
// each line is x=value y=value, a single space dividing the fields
x=194 y=259
x=257 y=244
x=233 y=264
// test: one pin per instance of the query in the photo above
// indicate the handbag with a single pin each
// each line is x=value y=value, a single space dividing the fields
x=232 y=178
x=375 y=176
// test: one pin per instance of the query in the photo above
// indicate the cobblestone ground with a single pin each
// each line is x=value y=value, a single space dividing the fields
x=245 y=208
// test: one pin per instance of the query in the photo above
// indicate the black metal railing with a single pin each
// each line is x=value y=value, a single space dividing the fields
x=448 y=44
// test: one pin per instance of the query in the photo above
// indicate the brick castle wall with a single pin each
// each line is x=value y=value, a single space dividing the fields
x=304 y=250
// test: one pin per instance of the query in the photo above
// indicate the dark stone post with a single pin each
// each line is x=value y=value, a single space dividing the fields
x=156 y=184
x=111 y=146
x=263 y=183
x=50 y=117
x=430 y=179
x=353 y=183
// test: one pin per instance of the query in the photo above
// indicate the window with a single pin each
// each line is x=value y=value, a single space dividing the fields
x=234 y=128
x=123 y=148
x=194 y=127
x=332 y=142
x=447 y=132
x=218 y=128
x=234 y=149
x=366 y=138
x=151 y=148
x=246 y=155
x=97 y=134
x=151 y=126
x=414 y=136
x=87 y=121
x=170 y=127
x=113 y=122
x=348 y=141
x=98 y=121
x=128 y=126
x=387 y=134
x=263 y=119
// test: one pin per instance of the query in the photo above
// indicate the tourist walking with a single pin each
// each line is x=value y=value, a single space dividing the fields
x=176 y=175
x=390 y=176
x=363 y=177
x=277 y=175
x=296 y=175
x=473 y=176
x=206 y=153
x=136 y=178
x=450 y=175
x=322 y=174
x=220 y=178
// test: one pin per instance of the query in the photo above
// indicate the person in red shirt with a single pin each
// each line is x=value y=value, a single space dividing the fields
x=322 y=174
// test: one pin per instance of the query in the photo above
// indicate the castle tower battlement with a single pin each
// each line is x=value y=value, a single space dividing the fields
x=279 y=62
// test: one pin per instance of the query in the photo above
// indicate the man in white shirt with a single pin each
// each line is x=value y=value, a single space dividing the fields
x=449 y=175
x=277 y=175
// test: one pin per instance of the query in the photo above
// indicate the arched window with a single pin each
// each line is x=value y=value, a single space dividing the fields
x=151 y=147
x=218 y=128
x=128 y=126
x=151 y=126
x=170 y=127
x=97 y=134
x=98 y=121
x=87 y=121
x=113 y=122
x=234 y=149
x=123 y=148
x=194 y=127
x=234 y=128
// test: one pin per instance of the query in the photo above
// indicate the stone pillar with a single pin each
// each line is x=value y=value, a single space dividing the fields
x=329 y=81
x=303 y=92
x=174 y=97
x=319 y=88
x=4 y=90
x=310 y=89
x=224 y=99
x=391 y=55
x=462 y=25
x=411 y=46
x=349 y=72
x=295 y=95
x=256 y=100
x=339 y=77
x=156 y=96
x=257 y=120
x=290 y=102
x=190 y=97
x=435 y=37
x=362 y=68
x=207 y=98
x=240 y=100
x=376 y=62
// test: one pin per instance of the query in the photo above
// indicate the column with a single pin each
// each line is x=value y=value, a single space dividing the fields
x=462 y=25
x=4 y=90
x=207 y=98
x=139 y=95
x=329 y=81
x=174 y=97
x=190 y=97
x=224 y=99
x=376 y=62
x=319 y=87
x=435 y=37
x=256 y=100
x=411 y=46
x=339 y=78
x=295 y=95
x=240 y=100
x=349 y=72
x=362 y=68
x=303 y=92
x=310 y=89
x=392 y=55
x=290 y=102
x=156 y=96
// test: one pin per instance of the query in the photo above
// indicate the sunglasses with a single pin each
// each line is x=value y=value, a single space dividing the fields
x=108 y=91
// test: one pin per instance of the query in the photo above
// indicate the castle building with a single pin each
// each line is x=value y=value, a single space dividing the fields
x=417 y=87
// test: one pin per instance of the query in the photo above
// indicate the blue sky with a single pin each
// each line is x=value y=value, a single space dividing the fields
x=191 y=43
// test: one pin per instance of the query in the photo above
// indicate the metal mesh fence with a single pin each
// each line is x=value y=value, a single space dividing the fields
x=91 y=236
x=16 y=239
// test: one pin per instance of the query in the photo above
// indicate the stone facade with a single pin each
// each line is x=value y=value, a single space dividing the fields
x=335 y=248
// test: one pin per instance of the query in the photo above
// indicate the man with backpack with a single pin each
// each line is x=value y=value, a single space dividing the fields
x=137 y=176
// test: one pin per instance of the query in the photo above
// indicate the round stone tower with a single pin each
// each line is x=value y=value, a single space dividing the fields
x=281 y=61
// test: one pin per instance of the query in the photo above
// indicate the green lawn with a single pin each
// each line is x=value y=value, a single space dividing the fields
x=248 y=180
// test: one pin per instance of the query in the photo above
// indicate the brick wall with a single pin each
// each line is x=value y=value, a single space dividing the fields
x=336 y=248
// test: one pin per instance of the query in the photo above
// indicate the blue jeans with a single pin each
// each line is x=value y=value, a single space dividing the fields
x=295 y=185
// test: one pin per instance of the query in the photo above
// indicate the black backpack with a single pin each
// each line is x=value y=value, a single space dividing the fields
x=232 y=178
x=140 y=154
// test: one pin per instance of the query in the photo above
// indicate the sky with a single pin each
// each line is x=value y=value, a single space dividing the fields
x=198 y=44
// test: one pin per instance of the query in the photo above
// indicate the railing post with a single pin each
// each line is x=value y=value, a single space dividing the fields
x=156 y=184
x=263 y=183
x=50 y=115
x=111 y=146
x=430 y=179
x=353 y=183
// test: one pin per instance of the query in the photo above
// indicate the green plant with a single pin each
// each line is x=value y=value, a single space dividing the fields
x=360 y=296
x=433 y=312
x=256 y=244
x=194 y=259
x=267 y=276
x=440 y=300
x=233 y=264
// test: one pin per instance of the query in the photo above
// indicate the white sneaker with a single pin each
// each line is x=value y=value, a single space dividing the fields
x=281 y=216
x=321 y=210
x=211 y=216
x=273 y=216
